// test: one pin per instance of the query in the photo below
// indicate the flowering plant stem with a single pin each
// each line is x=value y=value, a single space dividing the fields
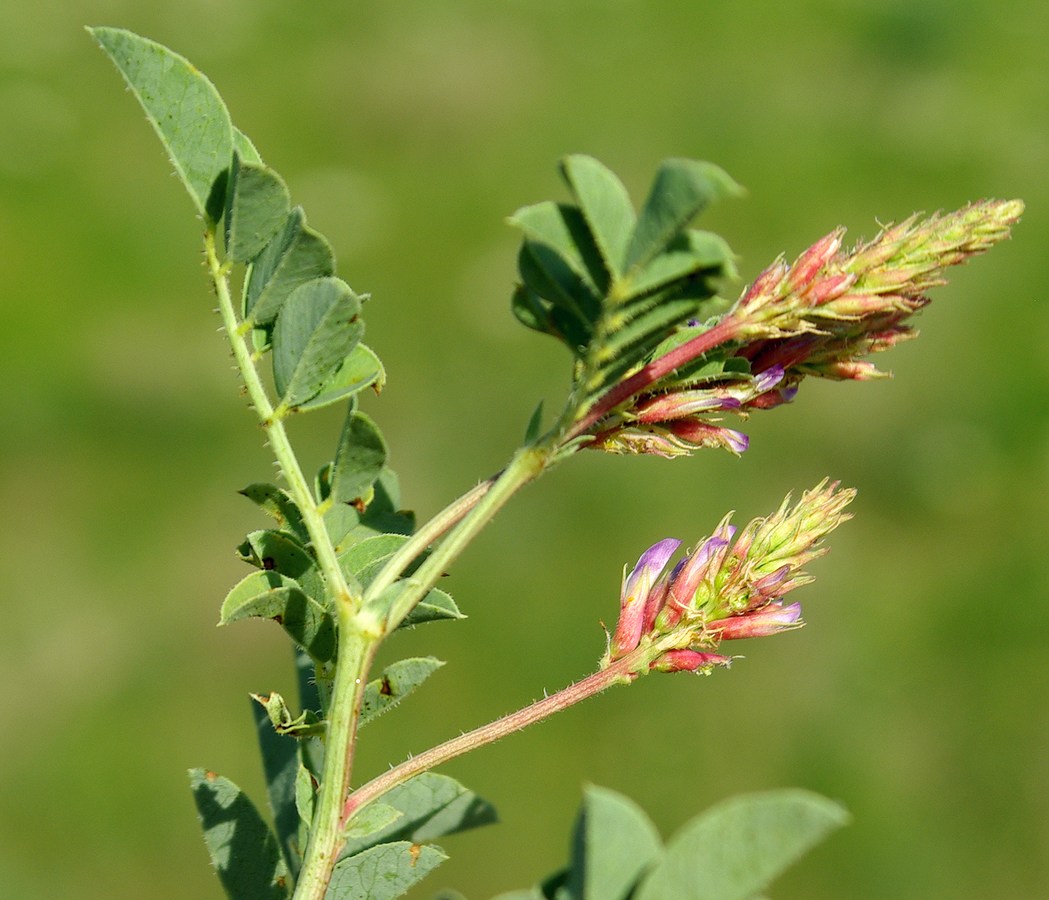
x=721 y=333
x=275 y=431
x=633 y=296
x=361 y=628
x=622 y=671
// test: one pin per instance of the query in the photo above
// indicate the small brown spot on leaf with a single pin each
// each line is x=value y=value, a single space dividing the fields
x=385 y=688
x=414 y=852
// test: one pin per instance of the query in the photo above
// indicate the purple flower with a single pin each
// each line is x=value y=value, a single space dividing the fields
x=635 y=593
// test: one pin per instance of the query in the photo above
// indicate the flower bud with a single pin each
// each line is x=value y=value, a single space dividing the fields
x=686 y=660
x=770 y=619
x=634 y=594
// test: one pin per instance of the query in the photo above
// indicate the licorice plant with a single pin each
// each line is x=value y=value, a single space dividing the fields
x=659 y=360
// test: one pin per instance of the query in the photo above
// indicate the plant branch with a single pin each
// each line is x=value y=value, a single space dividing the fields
x=622 y=671
x=720 y=334
x=472 y=512
x=276 y=434
x=356 y=653
x=439 y=525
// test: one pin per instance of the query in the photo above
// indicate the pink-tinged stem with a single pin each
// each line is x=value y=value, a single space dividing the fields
x=721 y=333
x=622 y=671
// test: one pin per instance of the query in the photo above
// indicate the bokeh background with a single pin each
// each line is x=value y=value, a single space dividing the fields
x=918 y=694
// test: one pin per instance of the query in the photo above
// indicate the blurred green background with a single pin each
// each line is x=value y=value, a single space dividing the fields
x=918 y=694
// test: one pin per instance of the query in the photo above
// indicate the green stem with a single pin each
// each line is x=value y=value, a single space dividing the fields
x=726 y=330
x=355 y=658
x=440 y=524
x=623 y=671
x=481 y=504
x=276 y=434
x=355 y=650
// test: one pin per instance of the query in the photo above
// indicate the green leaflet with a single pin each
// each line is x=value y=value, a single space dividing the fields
x=257 y=206
x=317 y=327
x=382 y=515
x=373 y=818
x=293 y=256
x=270 y=595
x=276 y=503
x=397 y=681
x=242 y=144
x=276 y=550
x=736 y=848
x=681 y=190
x=359 y=460
x=562 y=242
x=605 y=205
x=434 y=607
x=360 y=370
x=431 y=807
x=614 y=844
x=184 y=109
x=243 y=850
x=383 y=872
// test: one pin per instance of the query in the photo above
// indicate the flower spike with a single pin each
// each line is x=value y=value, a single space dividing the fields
x=729 y=587
x=823 y=315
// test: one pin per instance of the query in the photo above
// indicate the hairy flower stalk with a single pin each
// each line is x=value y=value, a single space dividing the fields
x=730 y=586
x=823 y=315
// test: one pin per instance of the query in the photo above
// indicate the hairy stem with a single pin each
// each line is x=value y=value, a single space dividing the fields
x=477 y=510
x=276 y=434
x=721 y=333
x=439 y=525
x=355 y=650
x=355 y=657
x=622 y=671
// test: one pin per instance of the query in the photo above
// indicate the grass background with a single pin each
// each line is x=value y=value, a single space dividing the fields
x=918 y=693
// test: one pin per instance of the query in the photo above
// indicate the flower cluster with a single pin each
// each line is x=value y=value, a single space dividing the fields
x=823 y=315
x=724 y=589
